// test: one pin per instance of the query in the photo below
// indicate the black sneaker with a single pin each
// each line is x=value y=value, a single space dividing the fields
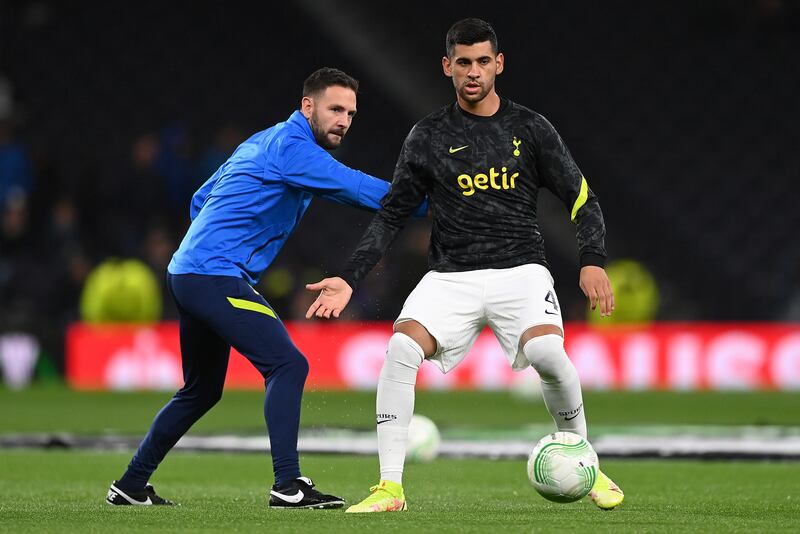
x=147 y=497
x=300 y=493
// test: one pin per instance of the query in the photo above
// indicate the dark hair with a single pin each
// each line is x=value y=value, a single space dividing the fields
x=321 y=79
x=469 y=32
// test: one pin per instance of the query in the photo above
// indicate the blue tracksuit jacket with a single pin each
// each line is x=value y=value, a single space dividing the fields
x=243 y=214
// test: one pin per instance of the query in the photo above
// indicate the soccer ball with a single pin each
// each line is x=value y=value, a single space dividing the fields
x=563 y=467
x=423 y=439
x=527 y=386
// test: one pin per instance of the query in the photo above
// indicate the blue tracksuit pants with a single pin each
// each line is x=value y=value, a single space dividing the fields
x=217 y=313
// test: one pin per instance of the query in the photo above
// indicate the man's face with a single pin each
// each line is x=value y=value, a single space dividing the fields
x=473 y=69
x=330 y=114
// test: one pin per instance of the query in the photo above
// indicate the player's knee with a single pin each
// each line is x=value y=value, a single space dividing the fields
x=298 y=364
x=201 y=396
x=547 y=355
x=213 y=398
x=302 y=365
x=202 y=403
x=419 y=334
x=403 y=358
x=404 y=351
x=292 y=363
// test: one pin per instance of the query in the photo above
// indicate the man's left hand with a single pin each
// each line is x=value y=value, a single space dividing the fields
x=597 y=288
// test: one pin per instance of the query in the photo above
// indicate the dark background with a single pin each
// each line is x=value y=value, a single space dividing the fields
x=682 y=115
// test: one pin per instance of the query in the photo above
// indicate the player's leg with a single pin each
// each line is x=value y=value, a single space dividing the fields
x=561 y=387
x=426 y=328
x=527 y=323
x=530 y=329
x=204 y=357
x=562 y=393
x=543 y=346
x=251 y=326
x=394 y=406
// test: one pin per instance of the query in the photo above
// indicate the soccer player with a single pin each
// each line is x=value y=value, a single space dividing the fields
x=241 y=217
x=481 y=161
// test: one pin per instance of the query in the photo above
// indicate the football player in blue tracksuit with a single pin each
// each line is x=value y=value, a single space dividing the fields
x=241 y=218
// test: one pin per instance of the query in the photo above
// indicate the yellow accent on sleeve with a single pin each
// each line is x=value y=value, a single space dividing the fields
x=252 y=306
x=581 y=200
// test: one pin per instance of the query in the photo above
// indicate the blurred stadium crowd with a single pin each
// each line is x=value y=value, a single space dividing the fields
x=683 y=116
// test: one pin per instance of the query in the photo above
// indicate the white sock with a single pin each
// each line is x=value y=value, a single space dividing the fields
x=395 y=403
x=561 y=386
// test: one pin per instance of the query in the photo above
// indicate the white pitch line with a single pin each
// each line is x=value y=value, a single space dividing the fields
x=679 y=445
x=618 y=446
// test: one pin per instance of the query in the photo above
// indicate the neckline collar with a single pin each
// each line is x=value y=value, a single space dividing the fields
x=504 y=103
x=299 y=119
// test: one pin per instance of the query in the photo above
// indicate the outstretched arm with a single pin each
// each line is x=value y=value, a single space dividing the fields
x=335 y=292
x=310 y=168
x=410 y=185
x=407 y=191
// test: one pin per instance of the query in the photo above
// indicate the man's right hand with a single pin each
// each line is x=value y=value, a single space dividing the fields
x=334 y=295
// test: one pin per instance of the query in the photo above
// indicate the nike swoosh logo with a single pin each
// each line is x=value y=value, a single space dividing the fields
x=573 y=417
x=454 y=150
x=112 y=494
x=383 y=421
x=548 y=312
x=294 y=499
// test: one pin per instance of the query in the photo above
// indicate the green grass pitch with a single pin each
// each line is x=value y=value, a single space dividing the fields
x=64 y=490
x=241 y=412
x=58 y=491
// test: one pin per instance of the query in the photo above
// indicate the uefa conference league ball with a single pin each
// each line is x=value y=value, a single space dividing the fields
x=563 y=467
x=423 y=439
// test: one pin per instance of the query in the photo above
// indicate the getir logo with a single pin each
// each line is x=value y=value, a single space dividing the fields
x=495 y=180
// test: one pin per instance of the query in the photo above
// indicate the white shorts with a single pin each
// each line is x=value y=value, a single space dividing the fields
x=454 y=308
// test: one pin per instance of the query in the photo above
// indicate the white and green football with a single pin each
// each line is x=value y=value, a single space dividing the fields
x=563 y=467
x=423 y=439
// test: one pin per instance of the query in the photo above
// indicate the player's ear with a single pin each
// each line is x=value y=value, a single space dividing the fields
x=501 y=62
x=447 y=67
x=306 y=106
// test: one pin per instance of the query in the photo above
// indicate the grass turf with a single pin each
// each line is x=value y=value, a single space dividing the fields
x=58 y=409
x=58 y=491
x=62 y=491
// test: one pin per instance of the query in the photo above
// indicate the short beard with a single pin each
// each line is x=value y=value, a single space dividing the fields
x=319 y=136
